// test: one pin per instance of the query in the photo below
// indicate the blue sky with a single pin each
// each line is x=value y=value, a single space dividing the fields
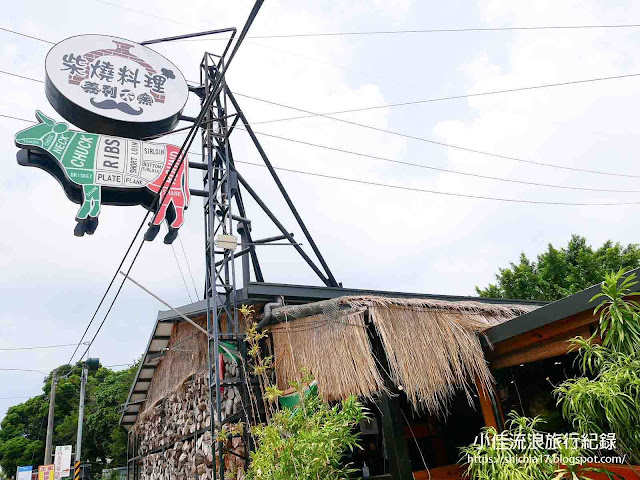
x=371 y=237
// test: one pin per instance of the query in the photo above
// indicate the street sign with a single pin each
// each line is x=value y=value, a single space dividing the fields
x=99 y=169
x=114 y=86
x=62 y=462
x=24 y=473
x=45 y=472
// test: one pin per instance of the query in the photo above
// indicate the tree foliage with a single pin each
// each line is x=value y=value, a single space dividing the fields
x=23 y=429
x=557 y=273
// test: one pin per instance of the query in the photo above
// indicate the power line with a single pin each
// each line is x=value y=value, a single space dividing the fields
x=146 y=14
x=394 y=32
x=21 y=396
x=21 y=370
x=391 y=105
x=470 y=150
x=447 y=30
x=440 y=99
x=195 y=289
x=17 y=118
x=437 y=192
x=184 y=280
x=449 y=145
x=22 y=76
x=444 y=170
x=112 y=279
x=216 y=88
x=37 y=348
x=27 y=36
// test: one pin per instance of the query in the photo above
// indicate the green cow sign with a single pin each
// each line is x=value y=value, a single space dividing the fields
x=96 y=170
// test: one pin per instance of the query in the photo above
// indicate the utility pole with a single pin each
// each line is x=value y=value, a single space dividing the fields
x=90 y=364
x=52 y=403
x=83 y=383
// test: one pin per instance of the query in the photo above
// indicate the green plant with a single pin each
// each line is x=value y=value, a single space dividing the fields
x=519 y=453
x=499 y=459
x=261 y=366
x=610 y=402
x=308 y=443
x=571 y=469
x=619 y=325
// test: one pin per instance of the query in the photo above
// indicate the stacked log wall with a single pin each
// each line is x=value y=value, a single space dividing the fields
x=173 y=431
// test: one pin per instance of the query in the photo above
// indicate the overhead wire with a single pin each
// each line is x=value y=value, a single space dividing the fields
x=438 y=192
x=453 y=146
x=439 y=169
x=439 y=99
x=12 y=349
x=21 y=396
x=186 y=259
x=21 y=370
x=447 y=30
x=457 y=147
x=182 y=156
x=184 y=280
x=33 y=37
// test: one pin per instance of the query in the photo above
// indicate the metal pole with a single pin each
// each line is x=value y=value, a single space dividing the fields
x=52 y=404
x=284 y=231
x=331 y=280
x=83 y=383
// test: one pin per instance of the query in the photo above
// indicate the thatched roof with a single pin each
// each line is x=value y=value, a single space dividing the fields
x=432 y=346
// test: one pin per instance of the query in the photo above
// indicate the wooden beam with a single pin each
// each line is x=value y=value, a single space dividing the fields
x=553 y=348
x=542 y=334
x=450 y=472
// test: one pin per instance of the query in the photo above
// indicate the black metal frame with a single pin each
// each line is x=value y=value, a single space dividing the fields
x=223 y=196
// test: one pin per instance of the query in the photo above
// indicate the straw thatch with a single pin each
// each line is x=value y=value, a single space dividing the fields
x=337 y=354
x=187 y=355
x=432 y=346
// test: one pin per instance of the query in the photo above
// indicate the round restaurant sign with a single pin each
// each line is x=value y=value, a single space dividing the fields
x=110 y=85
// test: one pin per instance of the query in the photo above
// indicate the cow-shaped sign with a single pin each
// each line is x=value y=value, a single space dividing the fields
x=97 y=170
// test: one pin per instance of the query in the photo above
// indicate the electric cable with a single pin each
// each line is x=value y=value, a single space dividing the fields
x=21 y=396
x=216 y=88
x=438 y=99
x=21 y=370
x=12 y=349
x=184 y=280
x=186 y=259
x=456 y=147
x=446 y=30
x=326 y=115
x=437 y=192
x=444 y=170
x=27 y=36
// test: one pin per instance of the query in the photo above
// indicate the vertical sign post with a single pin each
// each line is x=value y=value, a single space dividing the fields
x=46 y=472
x=24 y=473
x=62 y=462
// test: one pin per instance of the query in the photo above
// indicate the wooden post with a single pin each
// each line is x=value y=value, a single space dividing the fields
x=395 y=443
x=489 y=406
x=394 y=440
